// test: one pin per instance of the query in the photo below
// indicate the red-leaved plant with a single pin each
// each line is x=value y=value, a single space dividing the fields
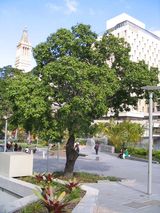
x=54 y=203
x=72 y=184
x=48 y=178
x=39 y=177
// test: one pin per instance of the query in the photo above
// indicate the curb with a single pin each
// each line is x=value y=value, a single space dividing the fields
x=134 y=158
x=88 y=202
x=141 y=159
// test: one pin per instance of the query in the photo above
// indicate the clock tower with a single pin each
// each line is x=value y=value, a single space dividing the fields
x=24 y=53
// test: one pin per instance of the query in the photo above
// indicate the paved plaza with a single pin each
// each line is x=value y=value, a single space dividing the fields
x=129 y=195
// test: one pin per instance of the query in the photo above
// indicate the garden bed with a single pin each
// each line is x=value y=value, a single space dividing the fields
x=74 y=196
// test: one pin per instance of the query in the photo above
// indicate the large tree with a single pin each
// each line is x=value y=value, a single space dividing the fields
x=75 y=85
x=82 y=86
x=80 y=90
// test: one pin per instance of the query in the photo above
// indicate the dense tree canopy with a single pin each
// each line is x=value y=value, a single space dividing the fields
x=85 y=45
x=5 y=102
x=81 y=91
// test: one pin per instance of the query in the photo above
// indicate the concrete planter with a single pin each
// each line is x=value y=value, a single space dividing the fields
x=16 y=164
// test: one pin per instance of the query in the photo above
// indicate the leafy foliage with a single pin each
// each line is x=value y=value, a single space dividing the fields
x=30 y=104
x=6 y=109
x=80 y=90
x=120 y=134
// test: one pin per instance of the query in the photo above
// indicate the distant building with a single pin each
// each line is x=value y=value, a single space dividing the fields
x=144 y=44
x=24 y=53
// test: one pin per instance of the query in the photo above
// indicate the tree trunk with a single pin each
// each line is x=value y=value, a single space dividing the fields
x=71 y=156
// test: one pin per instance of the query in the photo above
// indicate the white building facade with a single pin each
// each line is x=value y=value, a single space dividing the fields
x=144 y=44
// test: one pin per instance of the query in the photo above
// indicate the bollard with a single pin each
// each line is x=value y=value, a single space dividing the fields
x=47 y=153
x=43 y=154
x=58 y=150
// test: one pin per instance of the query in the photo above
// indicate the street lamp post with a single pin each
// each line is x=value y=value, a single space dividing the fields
x=150 y=143
x=6 y=117
x=5 y=138
x=150 y=89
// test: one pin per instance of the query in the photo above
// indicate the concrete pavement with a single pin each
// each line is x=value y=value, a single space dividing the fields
x=123 y=197
x=127 y=196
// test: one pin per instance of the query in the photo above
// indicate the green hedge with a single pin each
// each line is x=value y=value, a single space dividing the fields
x=137 y=151
x=141 y=152
x=156 y=154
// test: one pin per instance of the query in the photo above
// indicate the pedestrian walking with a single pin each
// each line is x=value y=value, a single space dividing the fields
x=96 y=148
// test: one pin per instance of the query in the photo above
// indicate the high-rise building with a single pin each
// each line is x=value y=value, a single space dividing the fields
x=144 y=44
x=24 y=53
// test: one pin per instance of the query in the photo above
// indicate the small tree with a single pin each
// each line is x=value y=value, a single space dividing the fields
x=121 y=134
x=132 y=132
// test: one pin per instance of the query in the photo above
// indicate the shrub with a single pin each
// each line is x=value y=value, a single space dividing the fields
x=156 y=155
x=141 y=152
x=137 y=151
x=51 y=200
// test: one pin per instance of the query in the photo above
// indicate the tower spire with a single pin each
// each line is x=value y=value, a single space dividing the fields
x=24 y=53
x=24 y=38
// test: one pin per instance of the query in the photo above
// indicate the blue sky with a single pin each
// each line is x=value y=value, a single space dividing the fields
x=43 y=17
